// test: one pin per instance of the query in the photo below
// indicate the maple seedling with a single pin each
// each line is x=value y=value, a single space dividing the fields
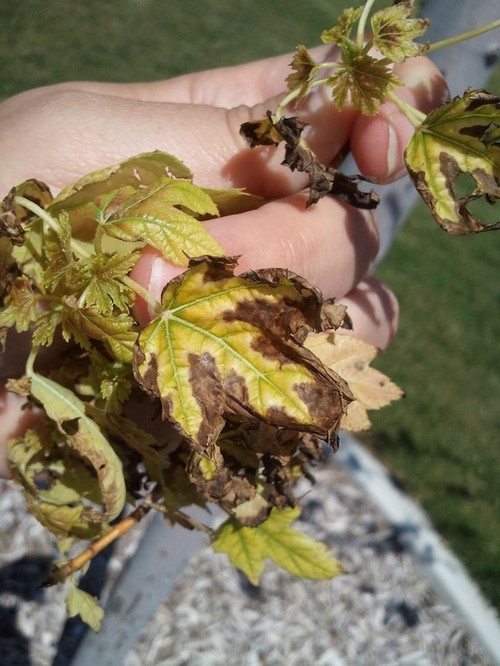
x=246 y=374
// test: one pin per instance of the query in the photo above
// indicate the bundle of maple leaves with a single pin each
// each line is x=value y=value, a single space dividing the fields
x=237 y=379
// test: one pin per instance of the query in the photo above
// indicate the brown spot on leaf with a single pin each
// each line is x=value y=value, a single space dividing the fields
x=206 y=387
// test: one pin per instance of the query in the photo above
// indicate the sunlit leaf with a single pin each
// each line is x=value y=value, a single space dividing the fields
x=231 y=345
x=303 y=65
x=231 y=201
x=102 y=285
x=78 y=199
x=459 y=137
x=85 y=437
x=274 y=539
x=342 y=29
x=350 y=357
x=362 y=81
x=394 y=31
x=164 y=215
x=118 y=333
x=86 y=606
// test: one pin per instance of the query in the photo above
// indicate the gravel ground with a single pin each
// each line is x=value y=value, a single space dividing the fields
x=380 y=612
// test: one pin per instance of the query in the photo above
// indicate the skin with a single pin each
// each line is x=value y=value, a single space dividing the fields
x=58 y=133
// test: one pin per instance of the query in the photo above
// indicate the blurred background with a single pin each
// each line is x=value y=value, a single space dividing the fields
x=442 y=442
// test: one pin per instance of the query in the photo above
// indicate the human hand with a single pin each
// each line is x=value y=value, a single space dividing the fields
x=58 y=133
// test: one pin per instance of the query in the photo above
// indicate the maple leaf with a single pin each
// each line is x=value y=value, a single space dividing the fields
x=304 y=66
x=78 y=200
x=164 y=215
x=232 y=345
x=362 y=81
x=102 y=286
x=459 y=137
x=274 y=539
x=340 y=32
x=20 y=305
x=79 y=602
x=394 y=32
x=45 y=326
x=118 y=333
x=350 y=357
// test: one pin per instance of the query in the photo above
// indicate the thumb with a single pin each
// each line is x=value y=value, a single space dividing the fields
x=57 y=134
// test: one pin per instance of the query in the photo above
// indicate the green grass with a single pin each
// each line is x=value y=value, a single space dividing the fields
x=441 y=442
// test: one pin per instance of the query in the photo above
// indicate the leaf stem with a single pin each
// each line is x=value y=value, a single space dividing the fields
x=138 y=289
x=414 y=115
x=456 y=39
x=360 y=36
x=60 y=573
x=31 y=362
x=39 y=211
x=50 y=222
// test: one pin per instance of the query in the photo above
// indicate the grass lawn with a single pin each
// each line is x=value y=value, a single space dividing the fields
x=441 y=442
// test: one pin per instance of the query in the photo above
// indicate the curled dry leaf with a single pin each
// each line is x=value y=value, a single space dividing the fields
x=13 y=216
x=350 y=358
x=323 y=180
x=86 y=438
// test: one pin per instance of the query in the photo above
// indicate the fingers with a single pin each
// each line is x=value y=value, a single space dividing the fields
x=329 y=244
x=378 y=142
x=249 y=84
x=374 y=311
x=57 y=134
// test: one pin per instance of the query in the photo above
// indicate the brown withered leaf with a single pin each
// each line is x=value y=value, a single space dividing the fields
x=261 y=132
x=350 y=357
x=323 y=180
x=231 y=345
x=13 y=216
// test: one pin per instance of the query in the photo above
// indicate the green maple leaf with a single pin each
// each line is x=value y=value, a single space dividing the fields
x=304 y=66
x=82 y=324
x=109 y=382
x=164 y=215
x=394 y=32
x=20 y=306
x=81 y=603
x=459 y=137
x=274 y=539
x=362 y=81
x=340 y=32
x=78 y=199
x=230 y=345
x=46 y=325
x=103 y=288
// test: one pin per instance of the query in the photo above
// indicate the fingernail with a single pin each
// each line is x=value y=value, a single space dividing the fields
x=393 y=162
x=162 y=272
